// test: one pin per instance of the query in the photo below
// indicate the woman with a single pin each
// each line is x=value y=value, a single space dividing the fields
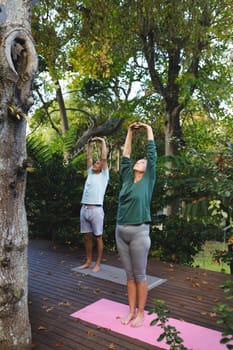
x=133 y=219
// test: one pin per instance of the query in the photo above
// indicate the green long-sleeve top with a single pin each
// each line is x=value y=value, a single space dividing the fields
x=135 y=198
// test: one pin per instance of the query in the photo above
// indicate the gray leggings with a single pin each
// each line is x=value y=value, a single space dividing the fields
x=133 y=244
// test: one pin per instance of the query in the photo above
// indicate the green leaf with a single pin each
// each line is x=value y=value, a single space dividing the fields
x=161 y=337
x=224 y=340
x=154 y=322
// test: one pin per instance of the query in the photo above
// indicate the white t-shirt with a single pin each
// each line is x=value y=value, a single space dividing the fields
x=95 y=187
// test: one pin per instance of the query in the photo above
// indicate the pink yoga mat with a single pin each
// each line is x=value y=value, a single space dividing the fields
x=106 y=313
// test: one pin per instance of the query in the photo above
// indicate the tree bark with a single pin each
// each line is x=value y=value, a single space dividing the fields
x=108 y=128
x=170 y=93
x=173 y=143
x=62 y=108
x=18 y=64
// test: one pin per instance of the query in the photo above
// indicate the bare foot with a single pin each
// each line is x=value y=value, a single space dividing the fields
x=138 y=322
x=85 y=266
x=128 y=318
x=96 y=268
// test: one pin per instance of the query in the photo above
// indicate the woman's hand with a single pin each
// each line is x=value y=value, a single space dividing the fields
x=135 y=126
x=139 y=125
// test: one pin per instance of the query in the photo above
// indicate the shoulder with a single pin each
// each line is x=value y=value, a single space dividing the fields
x=105 y=172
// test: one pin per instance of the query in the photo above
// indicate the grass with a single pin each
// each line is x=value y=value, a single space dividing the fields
x=204 y=258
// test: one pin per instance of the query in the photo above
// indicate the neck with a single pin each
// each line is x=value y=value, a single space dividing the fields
x=137 y=176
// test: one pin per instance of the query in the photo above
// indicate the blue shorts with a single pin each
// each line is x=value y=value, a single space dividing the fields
x=92 y=219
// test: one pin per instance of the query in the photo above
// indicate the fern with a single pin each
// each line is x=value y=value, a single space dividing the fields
x=38 y=150
x=70 y=139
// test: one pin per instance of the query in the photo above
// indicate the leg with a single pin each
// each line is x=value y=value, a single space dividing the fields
x=100 y=246
x=123 y=249
x=88 y=248
x=131 y=287
x=139 y=249
x=141 y=297
x=97 y=222
x=85 y=228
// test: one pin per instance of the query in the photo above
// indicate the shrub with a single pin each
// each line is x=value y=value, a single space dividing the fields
x=177 y=240
x=53 y=201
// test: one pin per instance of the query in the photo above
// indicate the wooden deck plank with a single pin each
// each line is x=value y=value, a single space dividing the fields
x=55 y=292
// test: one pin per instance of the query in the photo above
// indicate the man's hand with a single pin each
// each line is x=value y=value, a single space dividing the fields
x=96 y=138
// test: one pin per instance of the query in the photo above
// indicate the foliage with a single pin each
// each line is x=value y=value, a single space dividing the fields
x=155 y=65
x=182 y=60
x=110 y=210
x=209 y=153
x=202 y=183
x=176 y=240
x=225 y=256
x=170 y=333
x=53 y=30
x=226 y=315
x=195 y=180
x=53 y=197
x=38 y=150
x=204 y=259
x=89 y=102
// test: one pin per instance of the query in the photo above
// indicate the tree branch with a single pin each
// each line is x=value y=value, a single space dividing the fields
x=108 y=128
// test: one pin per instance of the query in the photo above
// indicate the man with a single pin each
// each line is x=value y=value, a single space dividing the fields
x=92 y=213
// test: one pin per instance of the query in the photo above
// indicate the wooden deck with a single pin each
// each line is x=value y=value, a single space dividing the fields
x=55 y=292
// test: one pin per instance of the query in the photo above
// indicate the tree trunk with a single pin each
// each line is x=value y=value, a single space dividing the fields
x=172 y=132
x=18 y=64
x=170 y=93
x=62 y=108
x=173 y=142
